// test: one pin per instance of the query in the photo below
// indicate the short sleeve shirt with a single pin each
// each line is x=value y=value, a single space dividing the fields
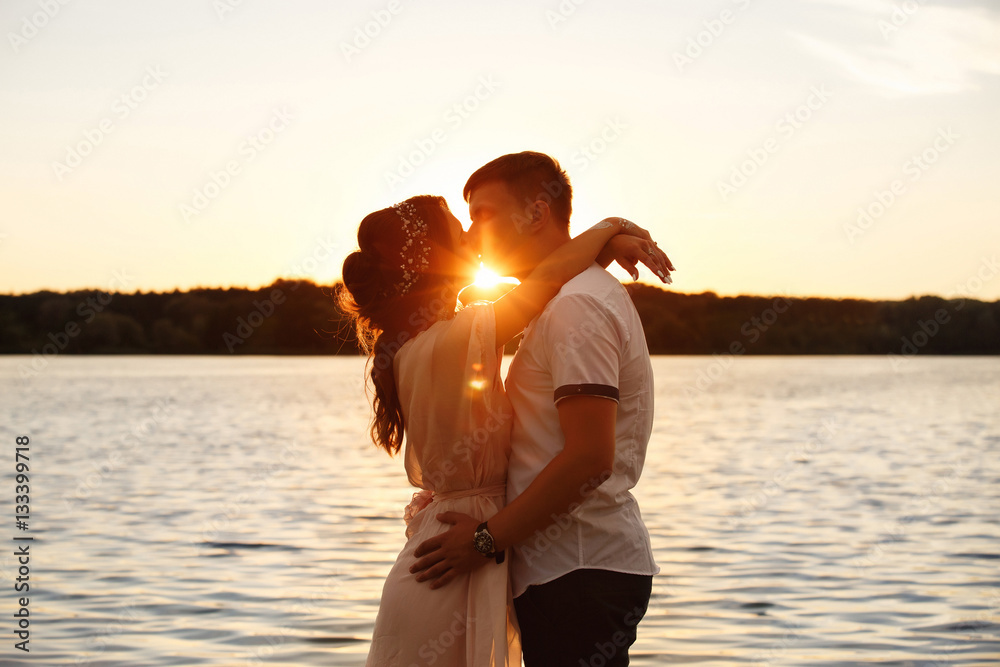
x=588 y=341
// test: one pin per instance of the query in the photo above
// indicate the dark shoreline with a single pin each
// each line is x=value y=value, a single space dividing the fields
x=292 y=317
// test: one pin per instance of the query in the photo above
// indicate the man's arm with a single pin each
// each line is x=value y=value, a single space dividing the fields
x=586 y=461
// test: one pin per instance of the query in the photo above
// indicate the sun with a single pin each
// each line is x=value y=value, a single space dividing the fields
x=489 y=286
x=487 y=278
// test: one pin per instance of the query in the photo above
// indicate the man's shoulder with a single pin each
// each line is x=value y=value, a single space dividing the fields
x=593 y=282
x=592 y=296
x=591 y=289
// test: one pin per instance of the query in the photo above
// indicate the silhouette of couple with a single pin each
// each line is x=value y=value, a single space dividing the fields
x=524 y=536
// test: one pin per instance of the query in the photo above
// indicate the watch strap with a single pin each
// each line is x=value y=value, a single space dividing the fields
x=496 y=555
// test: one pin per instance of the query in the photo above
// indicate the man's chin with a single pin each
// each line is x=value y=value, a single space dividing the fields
x=513 y=265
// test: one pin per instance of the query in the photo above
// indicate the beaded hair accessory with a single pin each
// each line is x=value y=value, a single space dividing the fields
x=415 y=252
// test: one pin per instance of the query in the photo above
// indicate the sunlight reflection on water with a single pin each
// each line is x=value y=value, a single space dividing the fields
x=231 y=511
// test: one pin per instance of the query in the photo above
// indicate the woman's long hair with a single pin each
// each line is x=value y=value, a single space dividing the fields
x=384 y=319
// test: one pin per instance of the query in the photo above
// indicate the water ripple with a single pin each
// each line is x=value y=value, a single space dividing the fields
x=807 y=510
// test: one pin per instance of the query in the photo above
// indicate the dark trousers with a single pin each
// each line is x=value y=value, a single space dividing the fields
x=586 y=618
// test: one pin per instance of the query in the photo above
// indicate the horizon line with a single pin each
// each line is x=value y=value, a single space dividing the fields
x=276 y=280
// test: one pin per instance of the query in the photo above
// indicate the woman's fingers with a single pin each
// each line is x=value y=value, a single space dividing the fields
x=663 y=263
x=640 y=247
x=668 y=265
x=629 y=265
x=659 y=252
x=655 y=263
x=666 y=260
x=645 y=236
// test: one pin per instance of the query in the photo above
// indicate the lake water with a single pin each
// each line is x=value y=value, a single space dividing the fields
x=231 y=511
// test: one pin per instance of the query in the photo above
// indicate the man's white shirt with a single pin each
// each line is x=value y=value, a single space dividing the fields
x=587 y=341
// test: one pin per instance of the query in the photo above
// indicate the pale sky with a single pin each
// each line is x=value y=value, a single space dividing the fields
x=161 y=145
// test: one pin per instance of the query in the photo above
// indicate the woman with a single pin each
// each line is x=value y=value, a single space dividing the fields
x=436 y=375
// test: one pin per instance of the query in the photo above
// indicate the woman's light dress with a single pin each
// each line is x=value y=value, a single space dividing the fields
x=457 y=443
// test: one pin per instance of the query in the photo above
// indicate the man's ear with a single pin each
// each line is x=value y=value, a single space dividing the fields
x=535 y=218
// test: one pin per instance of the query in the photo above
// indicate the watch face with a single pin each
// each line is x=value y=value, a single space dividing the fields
x=484 y=542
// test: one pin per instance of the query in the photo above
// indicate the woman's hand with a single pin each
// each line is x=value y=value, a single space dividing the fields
x=635 y=245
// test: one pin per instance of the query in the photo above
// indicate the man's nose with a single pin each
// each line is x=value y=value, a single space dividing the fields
x=474 y=239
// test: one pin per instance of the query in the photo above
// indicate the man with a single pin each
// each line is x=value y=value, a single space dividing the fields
x=581 y=387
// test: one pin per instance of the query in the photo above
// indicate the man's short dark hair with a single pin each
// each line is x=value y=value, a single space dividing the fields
x=531 y=177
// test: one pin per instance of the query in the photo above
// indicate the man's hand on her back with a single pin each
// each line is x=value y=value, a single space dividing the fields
x=445 y=556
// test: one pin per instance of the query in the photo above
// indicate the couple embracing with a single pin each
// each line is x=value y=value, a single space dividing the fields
x=524 y=536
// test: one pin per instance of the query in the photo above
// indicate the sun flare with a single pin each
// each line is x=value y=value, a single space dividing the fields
x=487 y=278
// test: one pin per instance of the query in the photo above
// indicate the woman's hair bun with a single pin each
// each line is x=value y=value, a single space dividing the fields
x=363 y=278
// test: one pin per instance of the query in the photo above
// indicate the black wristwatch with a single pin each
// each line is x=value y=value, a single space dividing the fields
x=484 y=543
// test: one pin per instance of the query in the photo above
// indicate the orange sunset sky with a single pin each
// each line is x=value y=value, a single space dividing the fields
x=806 y=147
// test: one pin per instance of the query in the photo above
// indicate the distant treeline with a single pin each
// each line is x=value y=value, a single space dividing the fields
x=300 y=317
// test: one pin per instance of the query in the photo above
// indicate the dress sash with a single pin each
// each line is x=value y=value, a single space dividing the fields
x=425 y=497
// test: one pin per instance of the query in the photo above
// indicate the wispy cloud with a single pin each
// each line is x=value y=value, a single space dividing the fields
x=928 y=50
